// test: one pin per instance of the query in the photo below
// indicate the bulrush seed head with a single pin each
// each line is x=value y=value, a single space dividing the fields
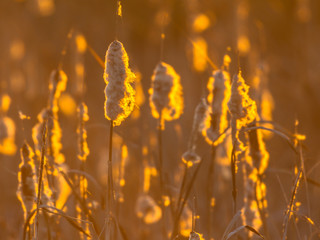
x=26 y=192
x=241 y=106
x=7 y=136
x=166 y=93
x=147 y=209
x=83 y=150
x=5 y=101
x=200 y=116
x=119 y=92
x=219 y=94
x=57 y=84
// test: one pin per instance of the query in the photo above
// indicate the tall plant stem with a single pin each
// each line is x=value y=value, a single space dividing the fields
x=160 y=156
x=110 y=180
x=211 y=188
x=161 y=173
x=44 y=133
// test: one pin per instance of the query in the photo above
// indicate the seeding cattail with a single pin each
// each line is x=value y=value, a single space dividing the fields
x=256 y=165
x=147 y=209
x=57 y=84
x=83 y=150
x=219 y=94
x=5 y=101
x=251 y=215
x=27 y=187
x=166 y=99
x=119 y=92
x=7 y=136
x=54 y=187
x=54 y=136
x=242 y=108
x=262 y=94
x=258 y=152
x=7 y=128
x=140 y=96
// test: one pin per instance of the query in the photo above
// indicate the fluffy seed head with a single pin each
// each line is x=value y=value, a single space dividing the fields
x=57 y=84
x=241 y=106
x=200 y=115
x=26 y=192
x=147 y=209
x=83 y=150
x=119 y=92
x=5 y=101
x=7 y=136
x=219 y=94
x=166 y=93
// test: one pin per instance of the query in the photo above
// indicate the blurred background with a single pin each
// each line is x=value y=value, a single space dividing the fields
x=277 y=39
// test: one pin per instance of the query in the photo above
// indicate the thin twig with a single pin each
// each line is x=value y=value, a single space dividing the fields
x=291 y=204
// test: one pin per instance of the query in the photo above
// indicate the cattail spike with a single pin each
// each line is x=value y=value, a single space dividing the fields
x=119 y=92
x=219 y=94
x=166 y=93
x=26 y=192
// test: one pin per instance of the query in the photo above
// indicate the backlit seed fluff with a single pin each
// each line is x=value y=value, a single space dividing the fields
x=119 y=92
x=166 y=93
x=200 y=115
x=57 y=84
x=5 y=101
x=218 y=97
x=147 y=209
x=83 y=150
x=27 y=187
x=7 y=136
x=241 y=106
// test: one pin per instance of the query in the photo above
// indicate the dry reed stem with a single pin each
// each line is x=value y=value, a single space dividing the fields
x=44 y=135
x=183 y=202
x=291 y=205
x=84 y=206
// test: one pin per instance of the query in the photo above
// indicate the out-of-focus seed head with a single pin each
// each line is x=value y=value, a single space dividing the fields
x=83 y=150
x=27 y=187
x=7 y=136
x=147 y=209
x=119 y=92
x=241 y=106
x=5 y=101
x=218 y=97
x=166 y=93
x=200 y=115
x=57 y=84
